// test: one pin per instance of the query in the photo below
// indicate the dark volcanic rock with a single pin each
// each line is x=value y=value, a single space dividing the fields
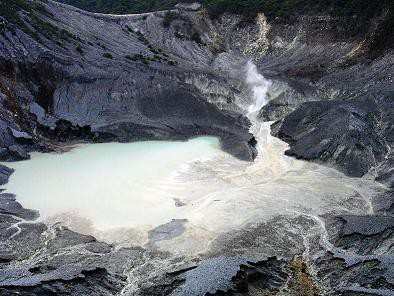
x=221 y=276
x=5 y=173
x=264 y=276
x=366 y=236
x=9 y=205
x=14 y=152
x=67 y=263
x=97 y=282
x=66 y=238
x=346 y=134
x=384 y=203
x=181 y=115
x=26 y=241
x=386 y=171
x=360 y=257
x=167 y=231
x=367 y=225
x=21 y=137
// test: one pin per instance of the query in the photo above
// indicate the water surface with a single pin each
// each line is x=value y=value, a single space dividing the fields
x=110 y=185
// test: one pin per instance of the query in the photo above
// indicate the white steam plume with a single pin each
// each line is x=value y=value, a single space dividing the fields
x=259 y=87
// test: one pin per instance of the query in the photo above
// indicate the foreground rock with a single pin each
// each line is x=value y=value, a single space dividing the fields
x=352 y=135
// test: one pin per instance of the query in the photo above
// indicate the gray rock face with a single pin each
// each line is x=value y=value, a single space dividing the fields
x=5 y=173
x=167 y=231
x=9 y=206
x=360 y=256
x=321 y=60
x=203 y=280
x=17 y=153
x=346 y=134
x=21 y=137
x=137 y=82
x=366 y=227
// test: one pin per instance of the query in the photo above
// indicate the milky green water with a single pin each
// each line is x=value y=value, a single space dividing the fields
x=120 y=192
x=111 y=185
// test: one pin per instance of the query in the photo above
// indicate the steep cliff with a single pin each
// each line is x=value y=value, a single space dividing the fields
x=119 y=78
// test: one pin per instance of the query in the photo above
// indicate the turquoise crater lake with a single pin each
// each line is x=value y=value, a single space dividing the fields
x=110 y=185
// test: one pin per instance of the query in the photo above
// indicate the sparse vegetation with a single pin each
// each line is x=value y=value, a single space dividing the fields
x=172 y=63
x=384 y=36
x=12 y=11
x=145 y=59
x=196 y=37
x=125 y=6
x=301 y=282
x=122 y=6
x=79 y=49
x=42 y=9
x=138 y=57
x=9 y=9
x=169 y=17
x=108 y=55
x=192 y=35
x=283 y=8
x=142 y=38
x=129 y=29
x=156 y=51
x=65 y=35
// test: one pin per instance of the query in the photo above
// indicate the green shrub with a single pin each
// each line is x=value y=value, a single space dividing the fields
x=79 y=49
x=178 y=35
x=108 y=55
x=138 y=57
x=384 y=36
x=142 y=38
x=122 y=6
x=284 y=8
x=9 y=10
x=42 y=9
x=171 y=16
x=196 y=37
